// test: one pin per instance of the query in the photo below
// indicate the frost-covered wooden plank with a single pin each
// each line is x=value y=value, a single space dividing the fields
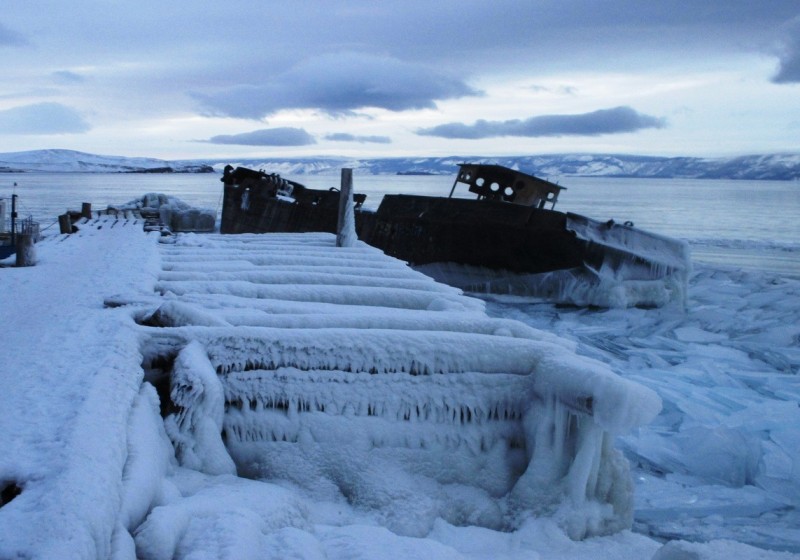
x=366 y=350
x=299 y=277
x=340 y=294
x=185 y=313
x=197 y=270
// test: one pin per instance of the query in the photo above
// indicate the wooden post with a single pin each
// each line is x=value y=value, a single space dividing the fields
x=346 y=227
x=86 y=210
x=65 y=223
x=26 y=253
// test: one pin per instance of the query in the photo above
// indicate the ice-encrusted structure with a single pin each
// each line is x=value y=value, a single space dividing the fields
x=195 y=427
x=88 y=470
x=343 y=372
x=172 y=212
x=641 y=270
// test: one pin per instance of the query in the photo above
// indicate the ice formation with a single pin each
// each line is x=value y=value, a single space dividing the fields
x=172 y=212
x=88 y=469
x=721 y=459
x=347 y=374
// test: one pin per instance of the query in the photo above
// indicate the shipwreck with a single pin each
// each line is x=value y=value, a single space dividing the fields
x=508 y=239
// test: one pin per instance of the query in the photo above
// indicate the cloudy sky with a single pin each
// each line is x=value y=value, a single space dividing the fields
x=250 y=78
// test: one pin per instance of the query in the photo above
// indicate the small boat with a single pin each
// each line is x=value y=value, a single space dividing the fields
x=509 y=239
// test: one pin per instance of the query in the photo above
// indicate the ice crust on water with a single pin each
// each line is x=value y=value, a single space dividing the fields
x=721 y=459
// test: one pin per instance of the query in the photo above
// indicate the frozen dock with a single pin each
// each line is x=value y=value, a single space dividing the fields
x=283 y=357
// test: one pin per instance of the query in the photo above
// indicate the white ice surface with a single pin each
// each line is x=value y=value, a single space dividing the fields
x=721 y=460
x=81 y=436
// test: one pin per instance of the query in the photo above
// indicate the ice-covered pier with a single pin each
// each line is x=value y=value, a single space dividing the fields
x=282 y=358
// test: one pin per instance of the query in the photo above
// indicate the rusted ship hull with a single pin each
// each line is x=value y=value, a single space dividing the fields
x=531 y=249
x=423 y=230
x=246 y=211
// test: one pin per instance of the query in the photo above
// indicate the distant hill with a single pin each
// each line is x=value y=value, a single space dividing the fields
x=65 y=161
x=763 y=167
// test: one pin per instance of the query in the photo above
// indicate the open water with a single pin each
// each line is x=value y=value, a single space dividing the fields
x=748 y=224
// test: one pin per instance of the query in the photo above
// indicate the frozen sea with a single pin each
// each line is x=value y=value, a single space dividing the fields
x=722 y=460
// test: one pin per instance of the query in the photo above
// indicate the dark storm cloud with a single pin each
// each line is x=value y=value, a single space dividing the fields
x=340 y=84
x=604 y=121
x=344 y=137
x=282 y=136
x=42 y=118
x=789 y=69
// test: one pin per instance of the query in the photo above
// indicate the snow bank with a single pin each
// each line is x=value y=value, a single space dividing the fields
x=71 y=376
x=218 y=517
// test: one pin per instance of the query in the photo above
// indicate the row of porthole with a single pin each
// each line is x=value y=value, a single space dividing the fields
x=507 y=191
x=495 y=187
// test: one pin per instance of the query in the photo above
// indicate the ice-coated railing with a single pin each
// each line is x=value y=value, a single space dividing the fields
x=404 y=399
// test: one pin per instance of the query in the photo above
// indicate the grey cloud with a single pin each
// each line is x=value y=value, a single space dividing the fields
x=560 y=90
x=282 y=136
x=67 y=77
x=604 y=121
x=42 y=118
x=9 y=37
x=340 y=84
x=789 y=68
x=344 y=137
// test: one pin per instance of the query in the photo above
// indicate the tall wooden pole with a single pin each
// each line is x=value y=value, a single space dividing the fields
x=346 y=227
x=26 y=251
x=14 y=219
x=65 y=223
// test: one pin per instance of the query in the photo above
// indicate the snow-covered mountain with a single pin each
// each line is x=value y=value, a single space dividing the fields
x=758 y=167
x=71 y=161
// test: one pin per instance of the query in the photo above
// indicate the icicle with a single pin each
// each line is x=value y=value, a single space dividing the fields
x=195 y=429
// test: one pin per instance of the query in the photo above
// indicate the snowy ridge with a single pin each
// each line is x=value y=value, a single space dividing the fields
x=61 y=161
x=344 y=350
x=754 y=167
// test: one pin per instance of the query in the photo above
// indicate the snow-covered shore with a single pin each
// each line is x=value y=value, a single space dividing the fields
x=72 y=377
